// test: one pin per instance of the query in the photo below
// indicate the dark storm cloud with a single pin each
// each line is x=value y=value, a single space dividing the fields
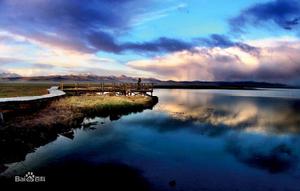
x=217 y=40
x=107 y=43
x=72 y=24
x=78 y=25
x=104 y=41
x=223 y=41
x=93 y=26
x=159 y=45
x=283 y=13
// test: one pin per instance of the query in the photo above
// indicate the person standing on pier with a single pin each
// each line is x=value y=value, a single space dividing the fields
x=139 y=84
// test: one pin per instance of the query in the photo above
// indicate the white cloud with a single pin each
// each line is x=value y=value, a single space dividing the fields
x=278 y=61
x=28 y=57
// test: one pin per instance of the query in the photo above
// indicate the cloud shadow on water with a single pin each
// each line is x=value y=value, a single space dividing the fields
x=277 y=158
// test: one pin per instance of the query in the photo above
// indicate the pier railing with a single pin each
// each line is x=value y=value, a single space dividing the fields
x=113 y=88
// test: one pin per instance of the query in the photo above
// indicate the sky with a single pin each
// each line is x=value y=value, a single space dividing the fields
x=207 y=40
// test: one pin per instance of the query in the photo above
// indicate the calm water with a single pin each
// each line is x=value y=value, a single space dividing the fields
x=191 y=140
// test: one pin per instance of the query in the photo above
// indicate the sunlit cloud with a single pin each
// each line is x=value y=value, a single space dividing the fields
x=64 y=37
x=276 y=61
x=29 y=57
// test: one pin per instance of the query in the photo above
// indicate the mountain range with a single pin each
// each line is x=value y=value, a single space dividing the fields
x=75 y=78
x=10 y=77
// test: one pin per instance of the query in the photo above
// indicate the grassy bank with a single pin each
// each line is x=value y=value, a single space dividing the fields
x=22 y=89
x=102 y=103
x=21 y=134
x=70 y=111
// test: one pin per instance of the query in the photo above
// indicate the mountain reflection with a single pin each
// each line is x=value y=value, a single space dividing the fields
x=253 y=114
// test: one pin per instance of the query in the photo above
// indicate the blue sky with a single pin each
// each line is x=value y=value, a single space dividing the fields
x=171 y=39
x=193 y=19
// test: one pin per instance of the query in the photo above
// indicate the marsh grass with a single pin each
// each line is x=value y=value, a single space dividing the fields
x=70 y=111
x=102 y=103
x=23 y=89
x=22 y=133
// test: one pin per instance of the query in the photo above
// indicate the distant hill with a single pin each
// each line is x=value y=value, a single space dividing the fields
x=8 y=77
x=77 y=78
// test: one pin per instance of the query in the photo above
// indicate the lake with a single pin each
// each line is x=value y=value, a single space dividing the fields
x=191 y=140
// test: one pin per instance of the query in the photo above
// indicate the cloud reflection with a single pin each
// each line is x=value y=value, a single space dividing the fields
x=275 y=157
x=259 y=115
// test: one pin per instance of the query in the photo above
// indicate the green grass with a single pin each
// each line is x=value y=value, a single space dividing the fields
x=22 y=89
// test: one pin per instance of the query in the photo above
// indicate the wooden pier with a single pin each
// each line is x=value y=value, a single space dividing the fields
x=127 y=89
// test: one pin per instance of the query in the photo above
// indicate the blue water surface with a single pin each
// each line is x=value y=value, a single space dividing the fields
x=193 y=140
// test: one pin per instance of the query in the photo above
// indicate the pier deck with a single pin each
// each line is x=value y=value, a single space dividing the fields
x=127 y=89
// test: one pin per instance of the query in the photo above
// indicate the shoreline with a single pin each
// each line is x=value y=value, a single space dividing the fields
x=23 y=133
x=65 y=110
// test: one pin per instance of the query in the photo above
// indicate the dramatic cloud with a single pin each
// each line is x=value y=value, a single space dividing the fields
x=283 y=13
x=159 y=45
x=223 y=41
x=275 y=62
x=60 y=36
x=107 y=43
x=71 y=24
x=85 y=27
x=33 y=58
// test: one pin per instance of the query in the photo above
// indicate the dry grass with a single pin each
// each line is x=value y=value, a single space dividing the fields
x=70 y=111
x=84 y=103
x=22 y=89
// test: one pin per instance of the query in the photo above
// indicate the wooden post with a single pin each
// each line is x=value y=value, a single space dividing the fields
x=152 y=88
x=76 y=88
x=114 y=88
x=62 y=86
x=1 y=118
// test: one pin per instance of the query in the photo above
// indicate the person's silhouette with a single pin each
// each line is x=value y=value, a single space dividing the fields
x=139 y=83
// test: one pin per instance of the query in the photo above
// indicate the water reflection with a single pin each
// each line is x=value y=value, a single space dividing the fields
x=191 y=140
x=17 y=139
x=254 y=114
x=217 y=114
x=274 y=157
